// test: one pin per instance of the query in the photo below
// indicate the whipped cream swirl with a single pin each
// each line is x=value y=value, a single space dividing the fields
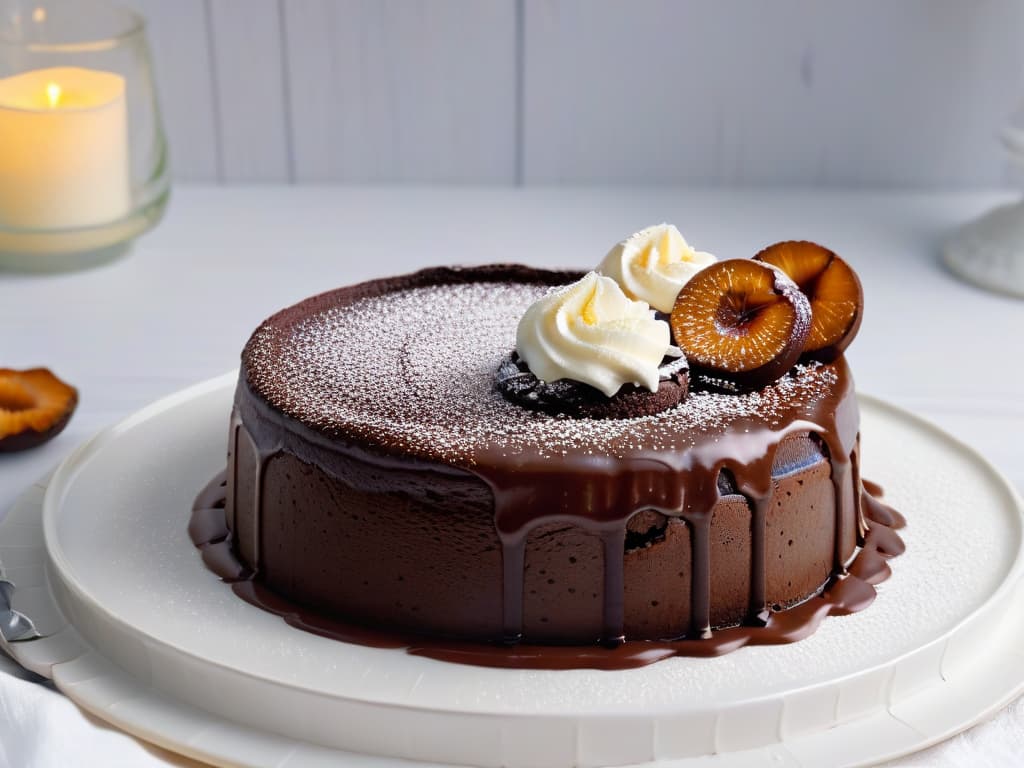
x=654 y=264
x=590 y=331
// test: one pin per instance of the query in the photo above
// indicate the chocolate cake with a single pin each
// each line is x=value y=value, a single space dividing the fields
x=387 y=484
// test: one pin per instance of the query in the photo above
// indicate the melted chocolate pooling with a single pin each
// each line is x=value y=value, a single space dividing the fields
x=849 y=593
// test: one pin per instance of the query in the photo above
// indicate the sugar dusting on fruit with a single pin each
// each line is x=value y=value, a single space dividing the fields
x=414 y=370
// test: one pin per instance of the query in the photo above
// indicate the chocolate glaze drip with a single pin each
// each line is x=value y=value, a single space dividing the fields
x=759 y=506
x=843 y=595
x=840 y=477
x=266 y=449
x=613 y=543
x=599 y=491
x=605 y=492
x=872 y=489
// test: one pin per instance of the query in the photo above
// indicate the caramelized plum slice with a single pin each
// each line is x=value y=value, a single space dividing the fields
x=34 y=406
x=742 y=321
x=831 y=286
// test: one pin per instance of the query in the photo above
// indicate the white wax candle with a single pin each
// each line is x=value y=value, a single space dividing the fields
x=63 y=149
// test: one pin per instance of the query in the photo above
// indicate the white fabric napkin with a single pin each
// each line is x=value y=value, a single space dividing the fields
x=40 y=728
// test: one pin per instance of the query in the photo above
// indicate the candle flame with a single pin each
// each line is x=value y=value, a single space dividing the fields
x=53 y=92
x=39 y=15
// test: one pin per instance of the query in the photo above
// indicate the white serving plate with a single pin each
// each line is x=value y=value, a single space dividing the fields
x=137 y=631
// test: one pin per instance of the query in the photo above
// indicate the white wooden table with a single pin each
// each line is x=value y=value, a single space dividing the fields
x=180 y=307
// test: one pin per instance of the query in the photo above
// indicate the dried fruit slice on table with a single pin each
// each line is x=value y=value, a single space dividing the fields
x=34 y=407
x=741 y=321
x=831 y=286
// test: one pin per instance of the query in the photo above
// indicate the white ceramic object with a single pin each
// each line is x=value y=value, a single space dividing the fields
x=989 y=251
x=137 y=631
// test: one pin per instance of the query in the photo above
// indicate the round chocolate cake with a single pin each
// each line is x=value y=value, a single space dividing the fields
x=381 y=478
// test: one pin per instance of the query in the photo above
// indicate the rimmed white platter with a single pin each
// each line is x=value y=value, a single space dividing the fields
x=137 y=631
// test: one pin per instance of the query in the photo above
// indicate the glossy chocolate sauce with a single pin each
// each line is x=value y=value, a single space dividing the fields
x=602 y=493
x=598 y=490
x=853 y=591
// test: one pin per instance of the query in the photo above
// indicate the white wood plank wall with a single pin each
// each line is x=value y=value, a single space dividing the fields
x=909 y=93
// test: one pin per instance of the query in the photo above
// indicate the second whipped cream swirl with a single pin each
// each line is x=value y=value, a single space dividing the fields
x=592 y=332
x=654 y=264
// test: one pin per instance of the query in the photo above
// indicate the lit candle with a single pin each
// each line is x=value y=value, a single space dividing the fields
x=63 y=149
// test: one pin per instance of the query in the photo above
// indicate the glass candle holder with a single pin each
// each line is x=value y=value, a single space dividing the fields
x=83 y=158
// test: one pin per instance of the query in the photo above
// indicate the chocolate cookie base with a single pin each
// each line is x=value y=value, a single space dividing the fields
x=566 y=397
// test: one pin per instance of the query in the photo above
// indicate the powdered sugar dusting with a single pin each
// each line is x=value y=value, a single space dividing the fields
x=413 y=371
